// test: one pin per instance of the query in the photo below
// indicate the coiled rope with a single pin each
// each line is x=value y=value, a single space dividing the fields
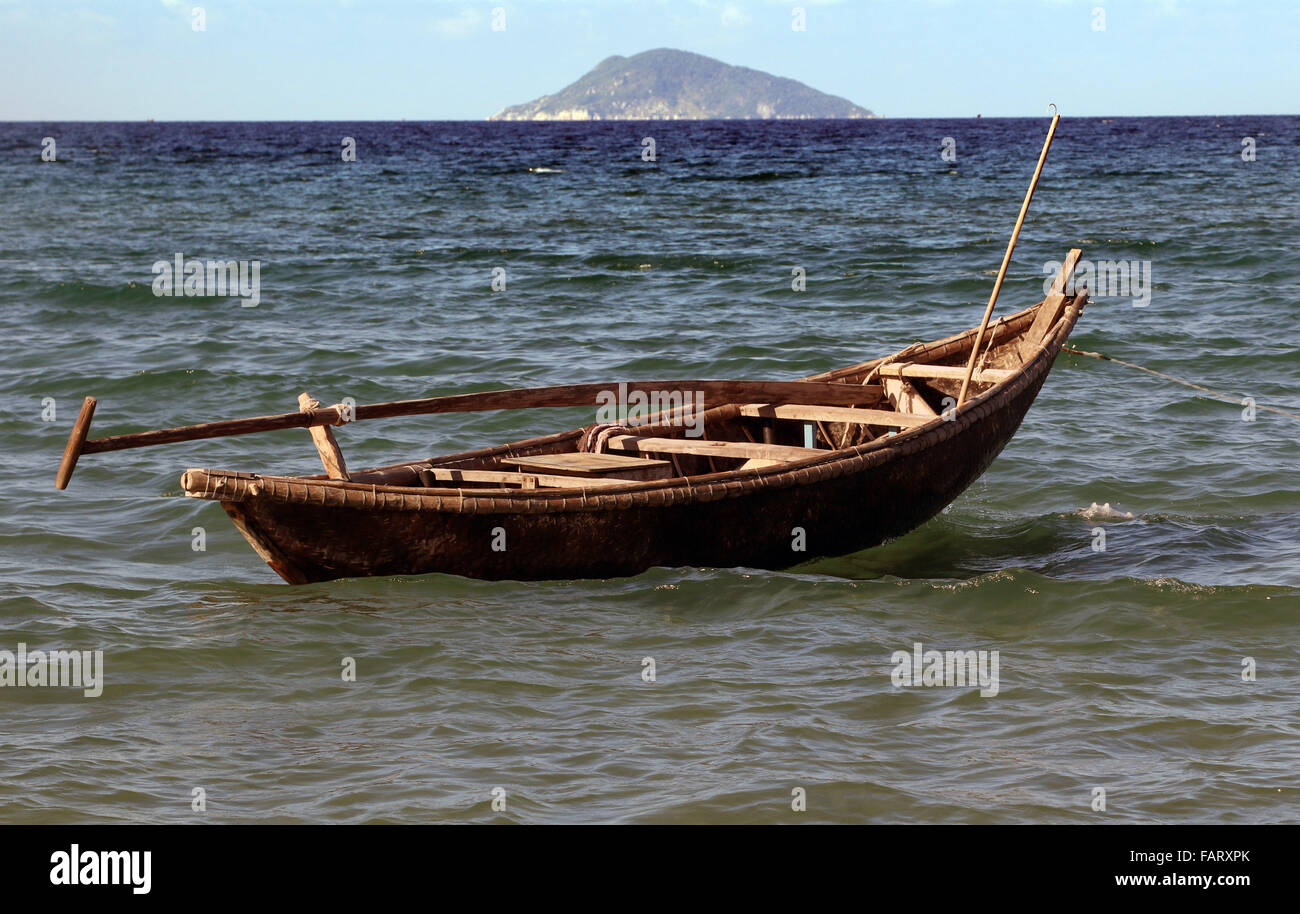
x=1168 y=377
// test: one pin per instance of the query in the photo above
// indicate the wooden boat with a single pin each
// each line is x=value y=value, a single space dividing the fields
x=763 y=474
x=888 y=451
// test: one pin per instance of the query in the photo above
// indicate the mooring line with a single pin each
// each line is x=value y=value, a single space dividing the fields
x=1168 y=377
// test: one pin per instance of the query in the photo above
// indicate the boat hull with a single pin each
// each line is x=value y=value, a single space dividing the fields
x=773 y=528
x=316 y=530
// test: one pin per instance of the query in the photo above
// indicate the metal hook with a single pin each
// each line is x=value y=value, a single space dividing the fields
x=1051 y=108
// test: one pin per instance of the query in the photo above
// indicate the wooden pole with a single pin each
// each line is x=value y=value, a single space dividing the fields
x=331 y=455
x=571 y=395
x=1006 y=259
x=76 y=440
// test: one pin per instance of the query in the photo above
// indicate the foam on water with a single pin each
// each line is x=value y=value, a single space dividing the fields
x=1103 y=512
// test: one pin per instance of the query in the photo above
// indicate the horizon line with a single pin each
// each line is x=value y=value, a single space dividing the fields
x=628 y=120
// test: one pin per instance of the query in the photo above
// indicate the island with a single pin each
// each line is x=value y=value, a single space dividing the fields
x=666 y=84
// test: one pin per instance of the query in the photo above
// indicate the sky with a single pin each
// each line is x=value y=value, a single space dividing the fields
x=444 y=60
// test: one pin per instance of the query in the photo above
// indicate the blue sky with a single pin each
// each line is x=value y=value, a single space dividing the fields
x=441 y=59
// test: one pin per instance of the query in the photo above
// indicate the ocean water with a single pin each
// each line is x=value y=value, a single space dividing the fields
x=1119 y=670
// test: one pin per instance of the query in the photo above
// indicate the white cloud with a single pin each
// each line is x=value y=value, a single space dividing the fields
x=458 y=26
x=733 y=17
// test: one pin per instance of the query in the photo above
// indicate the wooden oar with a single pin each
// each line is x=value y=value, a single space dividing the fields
x=819 y=392
x=1006 y=259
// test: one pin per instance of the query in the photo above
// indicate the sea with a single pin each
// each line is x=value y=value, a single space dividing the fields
x=1129 y=565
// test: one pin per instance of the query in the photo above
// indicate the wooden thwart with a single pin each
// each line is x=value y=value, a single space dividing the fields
x=593 y=465
x=431 y=476
x=834 y=414
x=700 y=447
x=943 y=372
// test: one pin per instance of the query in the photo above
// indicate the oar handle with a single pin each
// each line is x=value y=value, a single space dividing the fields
x=328 y=415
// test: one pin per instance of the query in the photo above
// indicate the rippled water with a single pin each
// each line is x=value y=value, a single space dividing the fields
x=1119 y=670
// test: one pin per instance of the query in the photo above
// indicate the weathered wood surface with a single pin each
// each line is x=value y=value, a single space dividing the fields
x=908 y=399
x=703 y=448
x=741 y=518
x=76 y=445
x=318 y=529
x=432 y=476
x=321 y=435
x=1049 y=312
x=570 y=395
x=944 y=372
x=592 y=465
x=883 y=417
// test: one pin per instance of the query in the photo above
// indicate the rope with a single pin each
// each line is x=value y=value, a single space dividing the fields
x=989 y=348
x=345 y=413
x=1159 y=374
x=594 y=439
x=891 y=359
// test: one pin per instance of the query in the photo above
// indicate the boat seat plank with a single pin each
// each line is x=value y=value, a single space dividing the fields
x=835 y=414
x=584 y=464
x=701 y=447
x=943 y=372
x=434 y=476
